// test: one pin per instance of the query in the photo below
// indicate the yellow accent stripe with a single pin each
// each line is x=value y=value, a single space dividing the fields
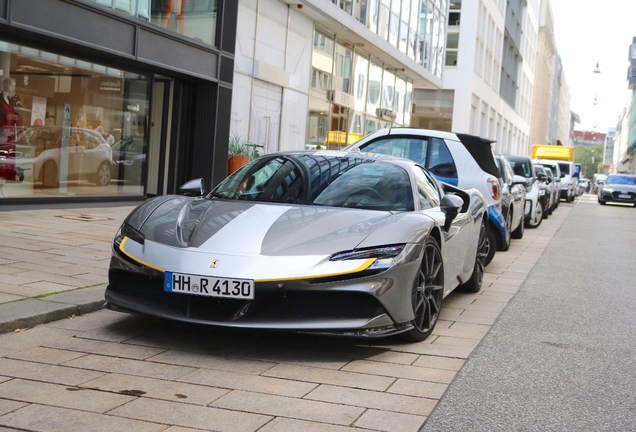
x=364 y=266
x=121 y=248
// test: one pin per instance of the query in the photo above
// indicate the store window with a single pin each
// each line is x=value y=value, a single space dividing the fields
x=192 y=18
x=70 y=127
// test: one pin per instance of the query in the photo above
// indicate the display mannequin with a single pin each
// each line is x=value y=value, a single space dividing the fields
x=7 y=135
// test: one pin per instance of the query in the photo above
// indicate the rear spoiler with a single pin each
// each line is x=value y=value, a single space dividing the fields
x=481 y=150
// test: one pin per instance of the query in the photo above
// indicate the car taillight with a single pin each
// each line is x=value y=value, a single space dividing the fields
x=495 y=188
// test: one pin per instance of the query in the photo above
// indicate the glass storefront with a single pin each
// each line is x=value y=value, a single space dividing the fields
x=70 y=128
x=192 y=18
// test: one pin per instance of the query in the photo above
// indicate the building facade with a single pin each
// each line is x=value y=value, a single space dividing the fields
x=113 y=99
x=489 y=78
x=323 y=73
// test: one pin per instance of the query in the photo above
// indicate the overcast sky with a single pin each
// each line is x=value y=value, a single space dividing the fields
x=587 y=32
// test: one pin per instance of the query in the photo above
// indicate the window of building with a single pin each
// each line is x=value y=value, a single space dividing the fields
x=69 y=127
x=452 y=48
x=195 y=19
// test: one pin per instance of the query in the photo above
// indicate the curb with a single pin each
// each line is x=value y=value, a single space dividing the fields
x=34 y=311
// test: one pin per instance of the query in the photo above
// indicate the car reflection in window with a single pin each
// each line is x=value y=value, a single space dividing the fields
x=319 y=180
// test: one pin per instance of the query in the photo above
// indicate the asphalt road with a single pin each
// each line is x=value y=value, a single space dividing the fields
x=561 y=356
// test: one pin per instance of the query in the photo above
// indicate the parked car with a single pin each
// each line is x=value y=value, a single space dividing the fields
x=546 y=195
x=330 y=242
x=554 y=183
x=462 y=160
x=513 y=201
x=523 y=166
x=567 y=173
x=87 y=156
x=619 y=188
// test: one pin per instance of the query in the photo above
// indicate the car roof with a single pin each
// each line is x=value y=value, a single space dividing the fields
x=479 y=148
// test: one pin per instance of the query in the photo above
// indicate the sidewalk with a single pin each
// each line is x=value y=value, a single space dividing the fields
x=302 y=382
x=54 y=263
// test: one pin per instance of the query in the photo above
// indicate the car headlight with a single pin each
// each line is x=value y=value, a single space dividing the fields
x=385 y=256
x=608 y=190
x=542 y=192
x=127 y=231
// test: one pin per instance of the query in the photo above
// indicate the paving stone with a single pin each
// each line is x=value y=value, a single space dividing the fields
x=290 y=407
x=130 y=367
x=45 y=372
x=87 y=299
x=5 y=298
x=259 y=384
x=33 y=337
x=401 y=371
x=45 y=355
x=61 y=396
x=326 y=360
x=157 y=389
x=40 y=418
x=280 y=424
x=48 y=287
x=31 y=312
x=373 y=399
x=456 y=342
x=105 y=348
x=435 y=362
x=192 y=416
x=96 y=320
x=327 y=376
x=390 y=421
x=6 y=406
x=212 y=362
x=422 y=389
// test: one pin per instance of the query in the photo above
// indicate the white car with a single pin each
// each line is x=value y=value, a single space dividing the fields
x=462 y=160
x=56 y=152
x=567 y=173
x=523 y=166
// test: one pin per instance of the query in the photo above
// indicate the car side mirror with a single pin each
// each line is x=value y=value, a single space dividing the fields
x=557 y=179
x=541 y=176
x=450 y=206
x=517 y=179
x=193 y=188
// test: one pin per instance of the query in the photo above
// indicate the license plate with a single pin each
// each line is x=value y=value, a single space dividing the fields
x=626 y=196
x=209 y=286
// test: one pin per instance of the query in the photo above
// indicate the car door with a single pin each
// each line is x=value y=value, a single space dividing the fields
x=455 y=240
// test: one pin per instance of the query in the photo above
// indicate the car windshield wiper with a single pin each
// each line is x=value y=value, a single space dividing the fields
x=219 y=195
x=302 y=201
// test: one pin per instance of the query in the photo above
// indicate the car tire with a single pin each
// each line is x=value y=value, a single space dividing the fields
x=102 y=176
x=427 y=293
x=506 y=244
x=491 y=247
x=474 y=283
x=49 y=175
x=601 y=202
x=518 y=232
x=536 y=216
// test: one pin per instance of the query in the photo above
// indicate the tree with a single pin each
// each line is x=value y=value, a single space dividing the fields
x=591 y=159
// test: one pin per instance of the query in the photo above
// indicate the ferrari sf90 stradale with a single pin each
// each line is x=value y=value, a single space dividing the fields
x=329 y=242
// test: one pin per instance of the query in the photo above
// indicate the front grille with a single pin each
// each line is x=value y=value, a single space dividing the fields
x=268 y=304
x=615 y=196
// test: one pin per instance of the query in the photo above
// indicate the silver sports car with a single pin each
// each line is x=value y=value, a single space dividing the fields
x=355 y=244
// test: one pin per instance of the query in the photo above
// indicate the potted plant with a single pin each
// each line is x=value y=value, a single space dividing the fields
x=238 y=153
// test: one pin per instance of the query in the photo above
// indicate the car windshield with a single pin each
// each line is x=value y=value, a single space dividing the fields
x=318 y=179
x=521 y=167
x=626 y=180
x=565 y=169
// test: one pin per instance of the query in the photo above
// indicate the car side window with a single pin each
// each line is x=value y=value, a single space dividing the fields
x=440 y=161
x=427 y=191
x=409 y=148
x=509 y=172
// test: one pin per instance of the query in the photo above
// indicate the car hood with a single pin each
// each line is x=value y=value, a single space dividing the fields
x=620 y=187
x=250 y=228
